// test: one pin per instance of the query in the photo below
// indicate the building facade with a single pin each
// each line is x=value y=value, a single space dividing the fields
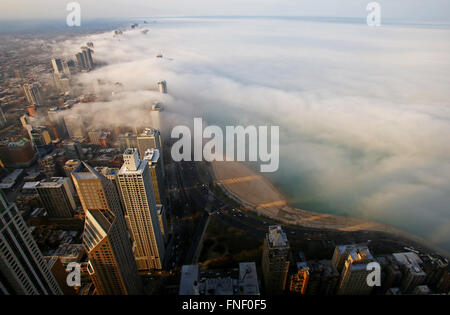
x=140 y=208
x=111 y=267
x=23 y=270
x=275 y=260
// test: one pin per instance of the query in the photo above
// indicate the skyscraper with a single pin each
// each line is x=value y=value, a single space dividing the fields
x=69 y=166
x=81 y=61
x=87 y=56
x=57 y=66
x=413 y=275
x=60 y=67
x=112 y=267
x=154 y=163
x=162 y=87
x=23 y=270
x=56 y=117
x=150 y=139
x=33 y=94
x=299 y=280
x=354 y=272
x=74 y=125
x=155 y=116
x=56 y=195
x=275 y=262
x=140 y=207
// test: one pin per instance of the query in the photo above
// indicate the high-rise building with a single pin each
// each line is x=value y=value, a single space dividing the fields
x=151 y=139
x=154 y=163
x=74 y=125
x=40 y=136
x=33 y=94
x=56 y=195
x=275 y=260
x=354 y=273
x=155 y=116
x=57 y=65
x=111 y=263
x=161 y=210
x=148 y=139
x=111 y=174
x=238 y=281
x=323 y=278
x=73 y=150
x=56 y=118
x=87 y=55
x=60 y=67
x=140 y=207
x=162 y=87
x=127 y=140
x=299 y=280
x=23 y=270
x=84 y=59
x=413 y=275
x=341 y=253
x=81 y=62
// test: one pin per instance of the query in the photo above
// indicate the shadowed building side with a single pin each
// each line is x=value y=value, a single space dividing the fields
x=111 y=263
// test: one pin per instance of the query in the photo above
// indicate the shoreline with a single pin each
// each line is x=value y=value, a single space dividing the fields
x=256 y=193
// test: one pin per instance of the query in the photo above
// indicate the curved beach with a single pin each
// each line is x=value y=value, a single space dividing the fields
x=257 y=193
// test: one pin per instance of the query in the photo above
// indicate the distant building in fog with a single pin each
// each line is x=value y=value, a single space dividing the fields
x=33 y=94
x=162 y=87
x=74 y=125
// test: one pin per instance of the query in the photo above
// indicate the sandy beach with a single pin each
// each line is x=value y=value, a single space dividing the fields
x=257 y=193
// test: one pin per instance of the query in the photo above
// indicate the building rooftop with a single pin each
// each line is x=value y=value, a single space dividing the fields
x=411 y=261
x=53 y=182
x=248 y=279
x=189 y=280
x=243 y=281
x=276 y=237
x=152 y=156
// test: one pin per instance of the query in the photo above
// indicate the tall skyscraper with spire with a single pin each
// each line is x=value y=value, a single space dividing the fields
x=135 y=183
x=112 y=267
x=23 y=270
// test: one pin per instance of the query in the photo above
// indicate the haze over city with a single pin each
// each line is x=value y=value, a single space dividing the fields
x=364 y=162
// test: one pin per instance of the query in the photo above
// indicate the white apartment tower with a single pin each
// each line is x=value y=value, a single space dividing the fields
x=136 y=187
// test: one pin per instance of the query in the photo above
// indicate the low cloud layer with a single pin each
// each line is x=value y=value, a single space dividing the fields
x=363 y=112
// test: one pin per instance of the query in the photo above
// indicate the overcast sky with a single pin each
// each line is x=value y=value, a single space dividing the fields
x=432 y=10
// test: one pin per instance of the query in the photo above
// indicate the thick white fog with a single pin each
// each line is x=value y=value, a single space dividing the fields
x=364 y=113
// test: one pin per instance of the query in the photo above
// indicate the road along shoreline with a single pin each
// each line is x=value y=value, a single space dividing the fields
x=256 y=193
